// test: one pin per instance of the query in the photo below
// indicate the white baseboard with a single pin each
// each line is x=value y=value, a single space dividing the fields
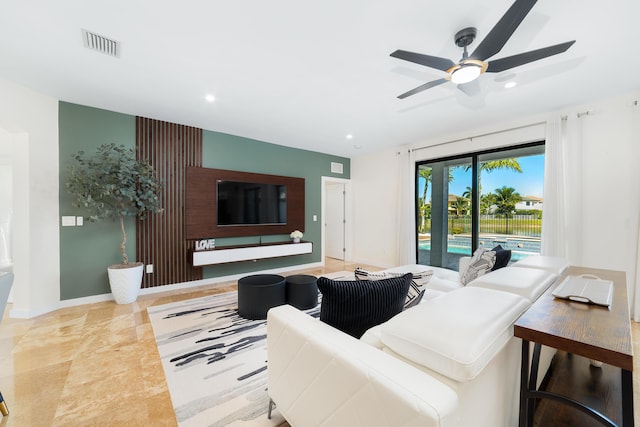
x=30 y=313
x=224 y=279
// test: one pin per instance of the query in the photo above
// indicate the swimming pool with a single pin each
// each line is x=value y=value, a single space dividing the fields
x=526 y=249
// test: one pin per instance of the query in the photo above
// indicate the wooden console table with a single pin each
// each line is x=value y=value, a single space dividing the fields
x=594 y=332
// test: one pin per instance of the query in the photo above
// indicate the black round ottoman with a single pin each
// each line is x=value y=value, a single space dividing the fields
x=258 y=293
x=302 y=291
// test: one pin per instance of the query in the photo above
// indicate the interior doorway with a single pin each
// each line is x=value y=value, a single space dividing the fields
x=334 y=219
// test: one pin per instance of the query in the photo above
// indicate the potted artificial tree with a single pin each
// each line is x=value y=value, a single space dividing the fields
x=113 y=184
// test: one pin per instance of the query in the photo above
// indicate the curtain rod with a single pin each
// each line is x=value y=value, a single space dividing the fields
x=470 y=138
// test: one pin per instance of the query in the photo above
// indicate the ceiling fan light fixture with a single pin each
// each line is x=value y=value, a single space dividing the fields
x=465 y=74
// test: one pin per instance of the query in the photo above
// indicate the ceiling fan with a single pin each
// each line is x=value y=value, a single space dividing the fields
x=471 y=66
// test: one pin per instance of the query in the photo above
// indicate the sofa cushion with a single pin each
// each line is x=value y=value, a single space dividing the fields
x=355 y=306
x=480 y=264
x=456 y=334
x=416 y=290
x=529 y=283
x=503 y=256
x=553 y=264
x=372 y=337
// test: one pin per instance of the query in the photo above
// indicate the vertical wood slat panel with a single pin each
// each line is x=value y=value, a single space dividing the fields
x=160 y=239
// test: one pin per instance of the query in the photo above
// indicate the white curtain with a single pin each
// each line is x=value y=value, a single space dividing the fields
x=636 y=291
x=405 y=201
x=635 y=123
x=561 y=223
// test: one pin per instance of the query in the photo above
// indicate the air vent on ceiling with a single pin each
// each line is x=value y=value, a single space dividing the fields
x=101 y=44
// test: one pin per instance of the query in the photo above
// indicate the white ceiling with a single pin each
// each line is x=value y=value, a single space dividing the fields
x=306 y=74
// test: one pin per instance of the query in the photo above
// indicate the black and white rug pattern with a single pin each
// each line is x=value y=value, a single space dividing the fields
x=215 y=362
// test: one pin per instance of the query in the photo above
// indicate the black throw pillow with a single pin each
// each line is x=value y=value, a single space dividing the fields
x=355 y=306
x=503 y=256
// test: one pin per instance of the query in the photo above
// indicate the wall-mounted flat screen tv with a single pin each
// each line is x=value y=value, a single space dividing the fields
x=249 y=203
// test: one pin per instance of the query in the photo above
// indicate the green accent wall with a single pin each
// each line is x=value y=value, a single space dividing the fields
x=224 y=151
x=87 y=251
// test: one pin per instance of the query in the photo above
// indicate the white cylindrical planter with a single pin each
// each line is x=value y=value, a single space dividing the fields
x=125 y=281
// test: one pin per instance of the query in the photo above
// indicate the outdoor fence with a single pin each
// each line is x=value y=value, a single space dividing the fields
x=518 y=225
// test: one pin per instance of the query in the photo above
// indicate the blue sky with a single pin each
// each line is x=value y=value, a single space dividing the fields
x=527 y=183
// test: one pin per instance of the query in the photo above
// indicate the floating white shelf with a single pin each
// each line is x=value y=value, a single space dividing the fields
x=245 y=253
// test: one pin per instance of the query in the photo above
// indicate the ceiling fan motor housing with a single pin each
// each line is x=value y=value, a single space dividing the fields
x=466 y=36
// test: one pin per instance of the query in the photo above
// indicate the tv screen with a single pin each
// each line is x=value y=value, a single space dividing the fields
x=249 y=203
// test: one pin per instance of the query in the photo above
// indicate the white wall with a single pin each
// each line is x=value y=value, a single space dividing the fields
x=31 y=120
x=6 y=197
x=610 y=167
x=375 y=180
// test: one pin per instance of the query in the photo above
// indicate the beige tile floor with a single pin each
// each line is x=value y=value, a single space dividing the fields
x=98 y=365
x=93 y=365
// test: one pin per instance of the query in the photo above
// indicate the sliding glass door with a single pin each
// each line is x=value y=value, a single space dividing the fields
x=482 y=199
x=444 y=211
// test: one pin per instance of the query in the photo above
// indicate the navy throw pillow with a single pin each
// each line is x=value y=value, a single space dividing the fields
x=356 y=305
x=503 y=256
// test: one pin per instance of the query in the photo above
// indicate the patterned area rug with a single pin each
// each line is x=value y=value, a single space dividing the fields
x=215 y=361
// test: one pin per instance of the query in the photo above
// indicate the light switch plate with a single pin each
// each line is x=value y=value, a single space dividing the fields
x=149 y=268
x=79 y=221
x=68 y=221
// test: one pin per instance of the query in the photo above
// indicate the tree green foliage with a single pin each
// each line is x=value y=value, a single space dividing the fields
x=461 y=205
x=112 y=183
x=486 y=202
x=492 y=165
x=506 y=199
x=424 y=173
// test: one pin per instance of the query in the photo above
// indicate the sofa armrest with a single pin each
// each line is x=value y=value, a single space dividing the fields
x=318 y=375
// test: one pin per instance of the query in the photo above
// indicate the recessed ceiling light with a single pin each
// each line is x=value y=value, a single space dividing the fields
x=349 y=136
x=357 y=146
x=210 y=98
x=510 y=85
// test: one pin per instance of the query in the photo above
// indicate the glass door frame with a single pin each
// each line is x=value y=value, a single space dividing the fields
x=475 y=197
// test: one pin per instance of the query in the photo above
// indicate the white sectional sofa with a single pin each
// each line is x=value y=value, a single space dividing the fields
x=452 y=360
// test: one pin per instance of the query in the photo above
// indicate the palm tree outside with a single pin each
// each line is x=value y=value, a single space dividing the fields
x=505 y=201
x=424 y=173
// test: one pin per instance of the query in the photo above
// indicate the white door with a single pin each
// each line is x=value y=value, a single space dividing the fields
x=334 y=221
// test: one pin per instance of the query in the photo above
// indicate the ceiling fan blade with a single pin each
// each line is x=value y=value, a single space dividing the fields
x=423 y=87
x=503 y=64
x=430 y=61
x=502 y=31
x=471 y=89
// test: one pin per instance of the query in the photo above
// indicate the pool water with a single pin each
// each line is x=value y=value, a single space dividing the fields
x=516 y=253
